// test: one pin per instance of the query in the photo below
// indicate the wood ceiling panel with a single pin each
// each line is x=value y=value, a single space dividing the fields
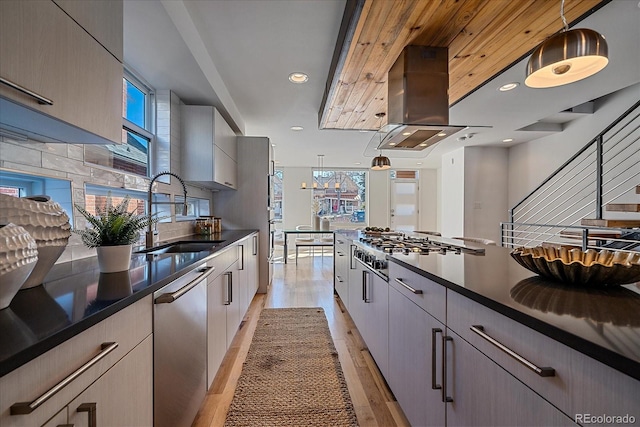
x=484 y=37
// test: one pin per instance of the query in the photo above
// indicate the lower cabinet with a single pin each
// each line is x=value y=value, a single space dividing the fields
x=369 y=309
x=233 y=310
x=122 y=396
x=415 y=359
x=478 y=392
x=343 y=262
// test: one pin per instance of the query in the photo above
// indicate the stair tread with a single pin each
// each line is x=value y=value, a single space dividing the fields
x=623 y=207
x=613 y=223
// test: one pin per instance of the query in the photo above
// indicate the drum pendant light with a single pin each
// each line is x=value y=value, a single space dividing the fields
x=380 y=163
x=567 y=57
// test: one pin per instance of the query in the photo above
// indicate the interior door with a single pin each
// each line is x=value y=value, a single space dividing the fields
x=404 y=204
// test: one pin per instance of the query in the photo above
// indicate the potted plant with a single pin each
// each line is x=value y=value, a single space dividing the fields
x=113 y=232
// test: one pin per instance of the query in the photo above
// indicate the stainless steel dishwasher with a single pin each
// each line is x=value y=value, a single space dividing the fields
x=180 y=349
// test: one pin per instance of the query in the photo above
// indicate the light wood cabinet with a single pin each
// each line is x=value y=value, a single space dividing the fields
x=370 y=311
x=123 y=396
x=127 y=328
x=209 y=150
x=342 y=260
x=103 y=19
x=415 y=358
x=44 y=51
x=481 y=393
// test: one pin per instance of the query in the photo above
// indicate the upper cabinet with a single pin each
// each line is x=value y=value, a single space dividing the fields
x=101 y=18
x=61 y=70
x=209 y=149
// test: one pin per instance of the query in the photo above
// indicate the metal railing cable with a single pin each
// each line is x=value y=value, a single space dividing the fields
x=602 y=172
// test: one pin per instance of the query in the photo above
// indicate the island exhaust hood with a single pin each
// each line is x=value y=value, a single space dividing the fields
x=418 y=101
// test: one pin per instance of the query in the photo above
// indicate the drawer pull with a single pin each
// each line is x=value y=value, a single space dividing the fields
x=415 y=291
x=41 y=99
x=434 y=384
x=543 y=372
x=339 y=279
x=445 y=397
x=229 y=275
x=23 y=408
x=90 y=409
x=170 y=297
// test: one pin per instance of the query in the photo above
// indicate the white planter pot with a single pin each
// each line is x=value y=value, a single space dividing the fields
x=112 y=259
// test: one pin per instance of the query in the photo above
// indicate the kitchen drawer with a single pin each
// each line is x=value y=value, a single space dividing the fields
x=222 y=260
x=432 y=297
x=581 y=385
x=127 y=327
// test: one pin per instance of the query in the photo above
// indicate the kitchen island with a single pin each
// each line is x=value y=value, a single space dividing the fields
x=472 y=330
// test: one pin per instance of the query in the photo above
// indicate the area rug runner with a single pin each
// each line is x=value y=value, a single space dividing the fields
x=292 y=375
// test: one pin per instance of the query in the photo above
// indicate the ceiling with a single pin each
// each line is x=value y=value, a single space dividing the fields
x=237 y=55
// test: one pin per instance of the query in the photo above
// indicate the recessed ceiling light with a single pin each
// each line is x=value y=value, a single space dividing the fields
x=363 y=131
x=507 y=140
x=424 y=144
x=418 y=163
x=296 y=128
x=406 y=133
x=273 y=145
x=357 y=163
x=298 y=78
x=441 y=134
x=508 y=86
x=392 y=143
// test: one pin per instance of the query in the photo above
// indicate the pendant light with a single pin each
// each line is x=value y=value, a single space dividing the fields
x=380 y=163
x=566 y=57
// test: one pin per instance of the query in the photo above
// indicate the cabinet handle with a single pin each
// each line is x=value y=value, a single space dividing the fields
x=41 y=99
x=365 y=282
x=170 y=297
x=229 y=183
x=255 y=245
x=445 y=398
x=434 y=332
x=23 y=408
x=543 y=372
x=340 y=253
x=339 y=279
x=90 y=409
x=415 y=291
x=241 y=256
x=229 y=275
x=351 y=265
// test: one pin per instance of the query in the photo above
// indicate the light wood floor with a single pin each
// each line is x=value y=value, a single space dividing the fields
x=309 y=284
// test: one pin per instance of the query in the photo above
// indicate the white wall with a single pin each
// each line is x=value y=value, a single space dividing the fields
x=530 y=163
x=485 y=191
x=429 y=203
x=452 y=194
x=378 y=198
x=296 y=203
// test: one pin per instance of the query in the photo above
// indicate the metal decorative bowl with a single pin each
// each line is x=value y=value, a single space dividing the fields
x=590 y=268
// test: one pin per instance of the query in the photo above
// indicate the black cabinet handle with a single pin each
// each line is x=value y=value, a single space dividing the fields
x=434 y=332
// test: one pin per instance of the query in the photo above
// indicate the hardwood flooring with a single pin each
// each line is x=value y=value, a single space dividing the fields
x=308 y=284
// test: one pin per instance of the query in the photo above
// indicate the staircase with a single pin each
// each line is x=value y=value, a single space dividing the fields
x=590 y=201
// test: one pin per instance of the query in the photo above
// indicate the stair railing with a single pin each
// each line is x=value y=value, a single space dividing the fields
x=599 y=173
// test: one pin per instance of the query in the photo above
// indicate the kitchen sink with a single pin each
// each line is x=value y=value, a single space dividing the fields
x=182 y=247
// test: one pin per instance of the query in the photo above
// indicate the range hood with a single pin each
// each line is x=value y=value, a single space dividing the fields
x=418 y=101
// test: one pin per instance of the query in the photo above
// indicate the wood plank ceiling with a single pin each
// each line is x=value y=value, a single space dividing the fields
x=484 y=37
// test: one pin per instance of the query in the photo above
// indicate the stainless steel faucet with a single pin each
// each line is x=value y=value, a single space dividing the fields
x=150 y=202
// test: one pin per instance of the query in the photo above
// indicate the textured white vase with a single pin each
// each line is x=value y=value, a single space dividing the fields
x=112 y=259
x=46 y=222
x=18 y=257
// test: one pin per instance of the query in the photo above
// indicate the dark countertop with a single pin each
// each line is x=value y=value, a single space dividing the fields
x=76 y=296
x=603 y=323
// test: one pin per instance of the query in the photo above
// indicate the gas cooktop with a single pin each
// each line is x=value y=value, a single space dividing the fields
x=422 y=245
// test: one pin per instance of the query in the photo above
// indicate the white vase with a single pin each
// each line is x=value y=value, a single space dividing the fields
x=18 y=257
x=46 y=221
x=316 y=222
x=112 y=259
x=326 y=224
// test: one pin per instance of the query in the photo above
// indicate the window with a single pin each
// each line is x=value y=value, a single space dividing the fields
x=195 y=208
x=340 y=195
x=132 y=155
x=23 y=185
x=96 y=197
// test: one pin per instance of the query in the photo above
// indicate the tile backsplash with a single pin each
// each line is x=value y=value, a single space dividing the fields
x=66 y=161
